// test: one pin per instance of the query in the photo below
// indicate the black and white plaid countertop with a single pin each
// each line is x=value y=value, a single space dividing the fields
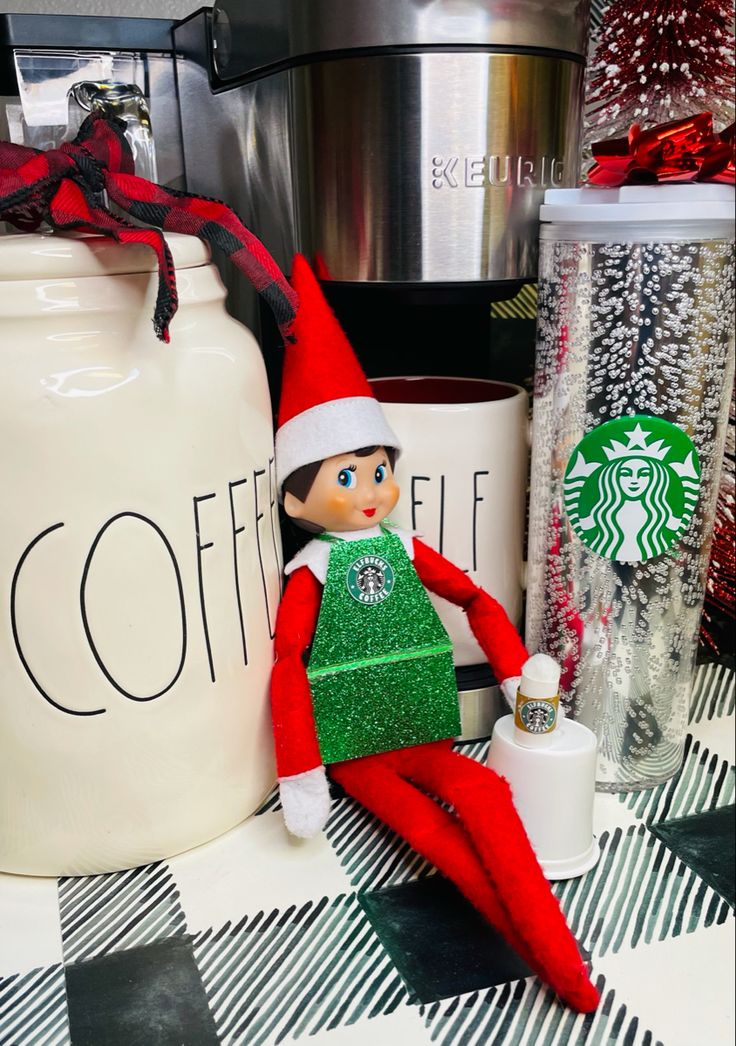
x=352 y=940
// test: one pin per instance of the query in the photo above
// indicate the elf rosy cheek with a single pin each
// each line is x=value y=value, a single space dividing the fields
x=339 y=503
x=391 y=493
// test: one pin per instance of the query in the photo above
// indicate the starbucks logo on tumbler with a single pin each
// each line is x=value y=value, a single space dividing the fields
x=631 y=486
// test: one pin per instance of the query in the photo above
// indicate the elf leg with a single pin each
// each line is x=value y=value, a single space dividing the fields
x=433 y=832
x=482 y=801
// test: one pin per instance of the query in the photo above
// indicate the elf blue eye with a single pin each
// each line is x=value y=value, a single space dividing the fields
x=346 y=478
x=380 y=474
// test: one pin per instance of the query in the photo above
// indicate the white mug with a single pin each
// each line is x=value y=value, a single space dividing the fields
x=463 y=474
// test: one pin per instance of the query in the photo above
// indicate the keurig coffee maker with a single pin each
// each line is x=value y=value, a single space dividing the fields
x=404 y=146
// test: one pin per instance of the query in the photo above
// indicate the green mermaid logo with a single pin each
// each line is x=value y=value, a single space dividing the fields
x=631 y=486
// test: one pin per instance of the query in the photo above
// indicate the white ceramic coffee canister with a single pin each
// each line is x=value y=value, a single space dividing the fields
x=139 y=562
x=463 y=474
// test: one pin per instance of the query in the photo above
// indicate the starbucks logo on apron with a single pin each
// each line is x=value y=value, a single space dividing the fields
x=370 y=580
x=631 y=486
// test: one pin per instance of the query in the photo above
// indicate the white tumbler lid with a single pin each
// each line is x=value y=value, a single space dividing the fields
x=692 y=202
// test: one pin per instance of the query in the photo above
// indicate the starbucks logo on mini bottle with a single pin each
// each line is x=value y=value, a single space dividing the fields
x=370 y=580
x=536 y=716
x=631 y=486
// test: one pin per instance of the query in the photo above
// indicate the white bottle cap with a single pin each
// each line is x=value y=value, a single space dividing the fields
x=540 y=678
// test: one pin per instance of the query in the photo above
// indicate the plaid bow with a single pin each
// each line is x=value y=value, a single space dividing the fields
x=66 y=188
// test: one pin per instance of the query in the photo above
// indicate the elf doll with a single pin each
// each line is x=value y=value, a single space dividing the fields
x=364 y=682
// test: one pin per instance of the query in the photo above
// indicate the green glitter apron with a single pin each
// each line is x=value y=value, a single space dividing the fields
x=381 y=669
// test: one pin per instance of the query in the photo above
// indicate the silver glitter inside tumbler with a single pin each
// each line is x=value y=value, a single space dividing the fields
x=635 y=348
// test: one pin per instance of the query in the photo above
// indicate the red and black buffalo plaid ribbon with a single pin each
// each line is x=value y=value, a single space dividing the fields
x=66 y=188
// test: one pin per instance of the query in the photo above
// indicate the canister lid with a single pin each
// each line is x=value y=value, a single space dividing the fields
x=32 y=256
x=695 y=202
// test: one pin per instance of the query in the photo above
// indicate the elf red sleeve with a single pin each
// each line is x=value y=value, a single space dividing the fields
x=294 y=732
x=498 y=639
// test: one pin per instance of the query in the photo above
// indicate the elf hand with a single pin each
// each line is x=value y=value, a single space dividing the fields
x=508 y=689
x=305 y=799
x=537 y=665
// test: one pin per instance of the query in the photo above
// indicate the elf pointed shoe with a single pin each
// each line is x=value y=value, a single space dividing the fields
x=581 y=995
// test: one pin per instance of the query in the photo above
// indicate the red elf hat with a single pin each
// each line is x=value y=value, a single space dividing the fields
x=327 y=406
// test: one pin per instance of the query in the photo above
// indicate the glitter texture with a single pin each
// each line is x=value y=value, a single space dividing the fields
x=381 y=674
x=626 y=329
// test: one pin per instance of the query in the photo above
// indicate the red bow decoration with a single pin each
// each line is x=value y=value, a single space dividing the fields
x=66 y=188
x=681 y=151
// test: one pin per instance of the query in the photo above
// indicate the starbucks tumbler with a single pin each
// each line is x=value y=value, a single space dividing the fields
x=634 y=369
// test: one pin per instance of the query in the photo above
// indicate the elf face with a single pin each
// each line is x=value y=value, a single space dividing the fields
x=349 y=492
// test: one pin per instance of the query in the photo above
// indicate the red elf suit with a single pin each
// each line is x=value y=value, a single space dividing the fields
x=364 y=679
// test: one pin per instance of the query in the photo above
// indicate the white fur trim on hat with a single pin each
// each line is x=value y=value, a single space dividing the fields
x=331 y=428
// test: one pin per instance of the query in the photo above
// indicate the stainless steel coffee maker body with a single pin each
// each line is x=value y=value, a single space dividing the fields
x=402 y=142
